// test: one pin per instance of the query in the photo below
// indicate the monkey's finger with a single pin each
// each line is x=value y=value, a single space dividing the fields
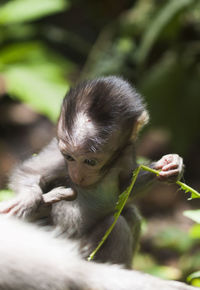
x=7 y=206
x=175 y=162
x=159 y=165
x=53 y=197
x=170 y=166
x=169 y=174
x=166 y=159
x=19 y=207
x=15 y=210
x=58 y=194
x=23 y=212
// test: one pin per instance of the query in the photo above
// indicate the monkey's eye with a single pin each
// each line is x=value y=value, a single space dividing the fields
x=90 y=162
x=69 y=158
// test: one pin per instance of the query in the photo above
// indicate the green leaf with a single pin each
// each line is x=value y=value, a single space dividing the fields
x=35 y=87
x=16 y=11
x=36 y=76
x=123 y=197
x=121 y=201
x=20 y=52
x=195 y=282
x=192 y=276
x=5 y=194
x=195 y=231
x=158 y=23
x=173 y=238
x=165 y=272
x=193 y=214
x=146 y=263
x=142 y=160
x=187 y=188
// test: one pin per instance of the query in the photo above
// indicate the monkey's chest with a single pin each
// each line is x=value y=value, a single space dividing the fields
x=74 y=218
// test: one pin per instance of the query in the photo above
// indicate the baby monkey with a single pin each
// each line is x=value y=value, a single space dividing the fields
x=76 y=180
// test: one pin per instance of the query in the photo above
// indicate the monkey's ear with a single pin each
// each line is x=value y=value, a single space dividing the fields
x=142 y=120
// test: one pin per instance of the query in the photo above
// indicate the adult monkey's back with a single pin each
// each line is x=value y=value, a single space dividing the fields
x=33 y=260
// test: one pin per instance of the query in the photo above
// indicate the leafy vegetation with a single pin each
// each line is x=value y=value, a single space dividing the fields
x=5 y=194
x=33 y=73
x=19 y=11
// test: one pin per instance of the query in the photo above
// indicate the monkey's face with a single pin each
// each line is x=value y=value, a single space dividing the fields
x=85 y=169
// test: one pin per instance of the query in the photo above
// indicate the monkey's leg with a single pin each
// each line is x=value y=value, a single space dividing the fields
x=119 y=246
x=133 y=218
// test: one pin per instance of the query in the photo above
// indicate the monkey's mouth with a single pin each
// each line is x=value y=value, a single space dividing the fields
x=87 y=186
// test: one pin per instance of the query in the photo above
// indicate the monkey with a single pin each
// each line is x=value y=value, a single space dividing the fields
x=89 y=164
x=36 y=260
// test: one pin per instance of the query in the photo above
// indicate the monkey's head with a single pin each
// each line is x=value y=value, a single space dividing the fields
x=98 y=119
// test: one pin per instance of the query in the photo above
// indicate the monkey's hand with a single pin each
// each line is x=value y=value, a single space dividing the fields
x=170 y=166
x=22 y=205
x=59 y=193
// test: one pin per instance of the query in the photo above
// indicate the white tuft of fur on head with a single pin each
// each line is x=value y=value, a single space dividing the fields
x=83 y=128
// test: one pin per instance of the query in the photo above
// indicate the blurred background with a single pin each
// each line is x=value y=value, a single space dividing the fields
x=46 y=46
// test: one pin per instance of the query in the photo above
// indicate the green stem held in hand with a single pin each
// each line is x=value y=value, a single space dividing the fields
x=124 y=197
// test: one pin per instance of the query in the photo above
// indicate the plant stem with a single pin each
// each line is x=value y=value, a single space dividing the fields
x=127 y=192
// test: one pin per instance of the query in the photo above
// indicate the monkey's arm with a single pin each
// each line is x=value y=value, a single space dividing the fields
x=30 y=180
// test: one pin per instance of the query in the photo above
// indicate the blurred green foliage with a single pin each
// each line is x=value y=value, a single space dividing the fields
x=181 y=250
x=18 y=11
x=5 y=194
x=33 y=73
x=174 y=239
x=193 y=214
x=194 y=233
x=194 y=279
x=146 y=262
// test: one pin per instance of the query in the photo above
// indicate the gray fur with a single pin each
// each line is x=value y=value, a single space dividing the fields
x=31 y=259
